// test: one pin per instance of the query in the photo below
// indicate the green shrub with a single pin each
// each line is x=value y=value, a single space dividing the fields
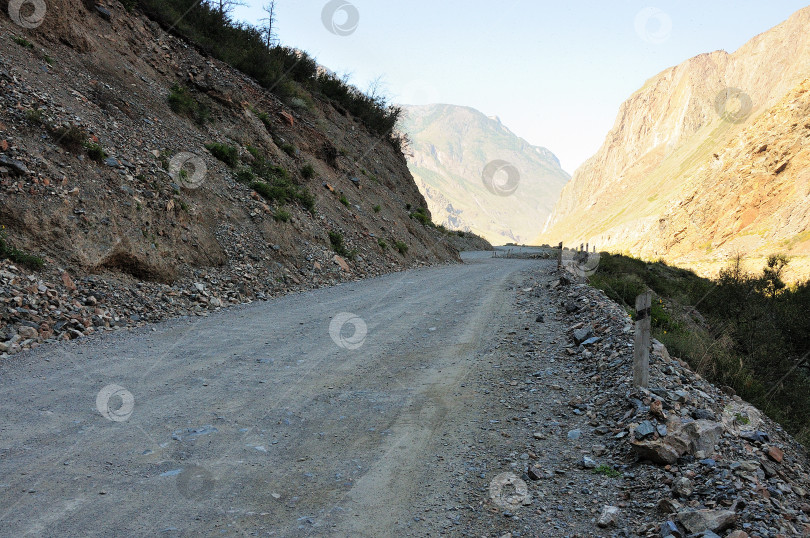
x=35 y=116
x=282 y=215
x=336 y=240
x=71 y=137
x=401 y=247
x=383 y=245
x=182 y=102
x=282 y=191
x=606 y=470
x=95 y=152
x=245 y=176
x=288 y=148
x=344 y=200
x=377 y=208
x=460 y=233
x=307 y=171
x=17 y=256
x=225 y=153
x=422 y=216
x=21 y=41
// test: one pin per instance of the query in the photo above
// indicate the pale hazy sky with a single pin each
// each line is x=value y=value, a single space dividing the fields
x=555 y=72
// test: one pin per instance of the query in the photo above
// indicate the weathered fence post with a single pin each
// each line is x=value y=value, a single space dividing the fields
x=559 y=257
x=641 y=346
x=587 y=247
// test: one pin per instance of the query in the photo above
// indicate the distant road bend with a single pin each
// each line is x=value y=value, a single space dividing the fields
x=316 y=414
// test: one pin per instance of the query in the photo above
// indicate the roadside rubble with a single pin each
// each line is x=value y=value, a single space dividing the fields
x=601 y=458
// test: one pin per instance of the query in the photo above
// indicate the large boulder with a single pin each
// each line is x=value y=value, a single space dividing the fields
x=696 y=521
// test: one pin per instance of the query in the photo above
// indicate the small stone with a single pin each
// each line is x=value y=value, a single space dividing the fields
x=670 y=529
x=682 y=487
x=580 y=335
x=540 y=319
x=341 y=262
x=703 y=414
x=27 y=332
x=608 y=517
x=588 y=463
x=738 y=534
x=644 y=429
x=776 y=454
x=702 y=520
x=573 y=435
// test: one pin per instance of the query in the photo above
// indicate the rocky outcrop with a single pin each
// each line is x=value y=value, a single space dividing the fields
x=704 y=161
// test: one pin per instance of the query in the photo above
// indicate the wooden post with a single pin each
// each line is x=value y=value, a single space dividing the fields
x=641 y=347
x=587 y=247
x=581 y=247
x=559 y=257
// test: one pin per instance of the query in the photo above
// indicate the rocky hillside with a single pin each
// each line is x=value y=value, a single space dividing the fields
x=451 y=148
x=706 y=160
x=138 y=168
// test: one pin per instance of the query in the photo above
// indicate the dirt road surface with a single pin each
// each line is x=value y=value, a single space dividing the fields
x=336 y=412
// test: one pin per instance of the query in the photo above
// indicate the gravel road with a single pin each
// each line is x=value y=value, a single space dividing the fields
x=336 y=412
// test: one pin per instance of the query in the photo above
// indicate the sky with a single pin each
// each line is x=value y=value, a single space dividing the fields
x=555 y=72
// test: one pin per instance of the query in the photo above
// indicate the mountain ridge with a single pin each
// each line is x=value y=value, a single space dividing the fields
x=451 y=147
x=665 y=135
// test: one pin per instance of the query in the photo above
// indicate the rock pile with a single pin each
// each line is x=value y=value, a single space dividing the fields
x=710 y=461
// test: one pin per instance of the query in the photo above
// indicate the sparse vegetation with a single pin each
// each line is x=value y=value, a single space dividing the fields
x=282 y=215
x=307 y=171
x=288 y=148
x=35 y=116
x=21 y=41
x=344 y=200
x=377 y=208
x=745 y=331
x=95 y=151
x=182 y=102
x=383 y=245
x=421 y=215
x=401 y=247
x=336 y=240
x=7 y=252
x=607 y=470
x=289 y=73
x=71 y=137
x=225 y=153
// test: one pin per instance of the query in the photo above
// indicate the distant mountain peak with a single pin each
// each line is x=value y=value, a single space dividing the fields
x=452 y=146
